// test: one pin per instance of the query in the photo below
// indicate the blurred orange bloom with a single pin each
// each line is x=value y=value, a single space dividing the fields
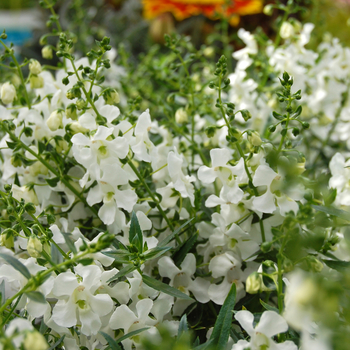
x=212 y=9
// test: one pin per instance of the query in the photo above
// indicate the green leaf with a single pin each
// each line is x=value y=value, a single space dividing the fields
x=135 y=233
x=56 y=256
x=223 y=323
x=111 y=342
x=16 y=264
x=333 y=211
x=297 y=112
x=168 y=239
x=131 y=334
x=338 y=265
x=162 y=287
x=180 y=255
x=183 y=326
x=86 y=261
x=2 y=293
x=155 y=252
x=53 y=182
x=69 y=242
x=124 y=271
x=119 y=255
x=269 y=307
x=58 y=342
x=277 y=116
x=36 y=296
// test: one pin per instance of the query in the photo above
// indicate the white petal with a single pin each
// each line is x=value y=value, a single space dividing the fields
x=107 y=212
x=271 y=323
x=122 y=318
x=101 y=304
x=207 y=175
x=199 y=287
x=167 y=268
x=189 y=264
x=143 y=308
x=263 y=176
x=64 y=313
x=90 y=321
x=265 y=203
x=286 y=205
x=65 y=284
x=246 y=319
x=110 y=112
x=219 y=157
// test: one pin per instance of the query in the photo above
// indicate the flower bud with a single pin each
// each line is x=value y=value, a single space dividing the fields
x=36 y=82
x=71 y=111
x=268 y=10
x=80 y=103
x=34 y=246
x=181 y=116
x=111 y=97
x=287 y=30
x=7 y=240
x=34 y=67
x=35 y=341
x=253 y=283
x=55 y=121
x=76 y=128
x=209 y=51
x=254 y=139
x=46 y=52
x=8 y=93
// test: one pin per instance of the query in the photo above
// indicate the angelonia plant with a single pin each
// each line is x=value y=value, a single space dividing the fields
x=174 y=203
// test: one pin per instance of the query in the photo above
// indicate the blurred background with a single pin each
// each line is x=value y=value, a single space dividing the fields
x=140 y=23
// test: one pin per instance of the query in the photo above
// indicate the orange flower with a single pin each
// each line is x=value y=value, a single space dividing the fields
x=182 y=9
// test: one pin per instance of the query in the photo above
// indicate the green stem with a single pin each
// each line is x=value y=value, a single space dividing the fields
x=19 y=70
x=286 y=127
x=241 y=153
x=155 y=200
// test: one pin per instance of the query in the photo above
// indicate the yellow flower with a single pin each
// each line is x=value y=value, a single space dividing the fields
x=182 y=9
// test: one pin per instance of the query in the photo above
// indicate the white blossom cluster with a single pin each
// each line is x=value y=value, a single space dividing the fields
x=107 y=160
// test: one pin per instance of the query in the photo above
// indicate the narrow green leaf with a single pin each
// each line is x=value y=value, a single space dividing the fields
x=86 y=261
x=119 y=255
x=56 y=256
x=131 y=334
x=223 y=323
x=333 y=211
x=2 y=293
x=69 y=242
x=135 y=233
x=162 y=287
x=297 y=112
x=277 y=116
x=156 y=252
x=36 y=296
x=111 y=342
x=168 y=239
x=58 y=342
x=124 y=271
x=268 y=307
x=183 y=326
x=338 y=265
x=180 y=255
x=16 y=264
x=53 y=182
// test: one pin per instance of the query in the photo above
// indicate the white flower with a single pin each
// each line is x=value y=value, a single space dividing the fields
x=143 y=147
x=35 y=341
x=8 y=93
x=34 y=246
x=36 y=81
x=182 y=279
x=270 y=324
x=78 y=301
x=228 y=266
